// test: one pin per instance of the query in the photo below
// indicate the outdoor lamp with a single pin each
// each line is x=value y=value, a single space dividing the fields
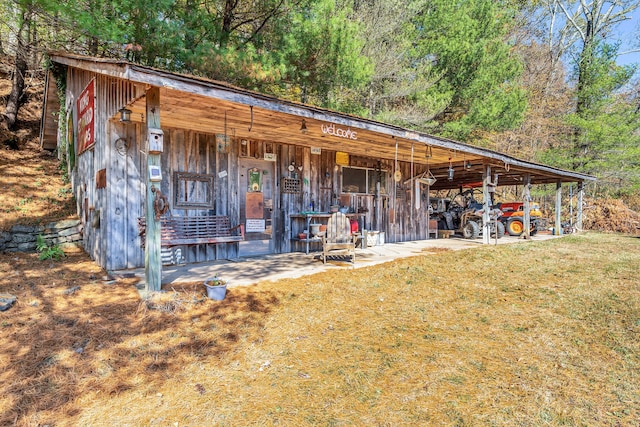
x=450 y=170
x=303 y=127
x=125 y=115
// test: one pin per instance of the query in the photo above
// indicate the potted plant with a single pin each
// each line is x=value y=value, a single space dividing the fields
x=216 y=288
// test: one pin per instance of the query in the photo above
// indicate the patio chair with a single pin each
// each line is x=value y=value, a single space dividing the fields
x=338 y=241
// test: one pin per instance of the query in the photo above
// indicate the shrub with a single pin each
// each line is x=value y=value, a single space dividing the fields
x=48 y=251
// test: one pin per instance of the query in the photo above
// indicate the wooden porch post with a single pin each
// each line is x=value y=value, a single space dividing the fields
x=152 y=256
x=579 y=214
x=558 y=226
x=486 y=205
x=526 y=198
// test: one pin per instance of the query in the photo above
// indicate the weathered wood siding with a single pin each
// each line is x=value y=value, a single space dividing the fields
x=393 y=211
x=109 y=214
x=110 y=234
x=125 y=197
x=193 y=152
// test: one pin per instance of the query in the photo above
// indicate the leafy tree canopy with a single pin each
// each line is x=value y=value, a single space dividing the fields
x=472 y=65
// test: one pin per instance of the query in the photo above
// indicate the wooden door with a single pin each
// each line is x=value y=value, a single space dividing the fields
x=256 y=192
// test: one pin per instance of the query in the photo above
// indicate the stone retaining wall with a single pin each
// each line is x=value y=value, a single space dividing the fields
x=23 y=238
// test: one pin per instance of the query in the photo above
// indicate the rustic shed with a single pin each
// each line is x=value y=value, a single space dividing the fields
x=135 y=135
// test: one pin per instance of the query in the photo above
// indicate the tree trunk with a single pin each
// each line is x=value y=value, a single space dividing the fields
x=93 y=46
x=580 y=144
x=10 y=115
x=227 y=20
x=584 y=68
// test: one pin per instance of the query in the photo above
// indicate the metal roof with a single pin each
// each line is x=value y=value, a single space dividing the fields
x=211 y=106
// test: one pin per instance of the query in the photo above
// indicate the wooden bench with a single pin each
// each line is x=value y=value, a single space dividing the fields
x=445 y=234
x=338 y=240
x=194 y=230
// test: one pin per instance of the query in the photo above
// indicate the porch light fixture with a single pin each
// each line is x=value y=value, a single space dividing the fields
x=450 y=170
x=303 y=127
x=125 y=115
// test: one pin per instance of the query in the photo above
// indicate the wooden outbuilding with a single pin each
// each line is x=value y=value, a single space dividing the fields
x=142 y=141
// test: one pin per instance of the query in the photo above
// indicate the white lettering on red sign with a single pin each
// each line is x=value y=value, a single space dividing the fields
x=85 y=124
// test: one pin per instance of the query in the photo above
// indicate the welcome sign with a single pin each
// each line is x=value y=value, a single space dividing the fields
x=331 y=129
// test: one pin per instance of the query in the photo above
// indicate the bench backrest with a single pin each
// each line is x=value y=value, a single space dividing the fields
x=187 y=227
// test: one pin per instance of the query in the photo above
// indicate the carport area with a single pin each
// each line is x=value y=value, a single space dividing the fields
x=252 y=270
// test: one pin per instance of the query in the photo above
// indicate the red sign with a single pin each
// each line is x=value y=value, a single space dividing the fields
x=86 y=124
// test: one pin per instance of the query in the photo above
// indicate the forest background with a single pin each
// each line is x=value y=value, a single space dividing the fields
x=544 y=80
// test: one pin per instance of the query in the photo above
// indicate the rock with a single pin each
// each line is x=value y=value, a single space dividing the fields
x=59 y=225
x=6 y=301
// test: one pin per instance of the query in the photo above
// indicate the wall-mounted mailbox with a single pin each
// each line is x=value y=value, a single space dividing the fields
x=156 y=138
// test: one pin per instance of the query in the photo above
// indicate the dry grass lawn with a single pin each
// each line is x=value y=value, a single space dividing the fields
x=518 y=335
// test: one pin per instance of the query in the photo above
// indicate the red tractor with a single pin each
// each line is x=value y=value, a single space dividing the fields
x=513 y=215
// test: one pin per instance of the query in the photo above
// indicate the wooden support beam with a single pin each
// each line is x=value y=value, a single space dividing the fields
x=486 y=205
x=558 y=226
x=579 y=214
x=152 y=256
x=526 y=198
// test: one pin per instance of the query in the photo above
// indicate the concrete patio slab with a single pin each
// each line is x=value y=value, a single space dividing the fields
x=251 y=270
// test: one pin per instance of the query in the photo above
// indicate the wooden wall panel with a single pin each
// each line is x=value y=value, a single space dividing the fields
x=232 y=203
x=83 y=176
x=210 y=169
x=115 y=243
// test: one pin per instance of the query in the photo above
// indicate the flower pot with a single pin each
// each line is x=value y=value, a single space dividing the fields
x=315 y=229
x=216 y=289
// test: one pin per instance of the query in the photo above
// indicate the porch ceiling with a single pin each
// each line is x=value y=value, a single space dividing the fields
x=200 y=113
x=207 y=106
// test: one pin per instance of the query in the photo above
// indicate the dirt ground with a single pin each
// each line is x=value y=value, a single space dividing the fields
x=34 y=189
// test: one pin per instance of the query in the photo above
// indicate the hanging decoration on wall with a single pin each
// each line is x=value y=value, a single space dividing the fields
x=293 y=171
x=222 y=140
x=397 y=175
x=121 y=146
x=269 y=155
x=290 y=185
x=160 y=203
x=255 y=180
x=342 y=158
x=222 y=143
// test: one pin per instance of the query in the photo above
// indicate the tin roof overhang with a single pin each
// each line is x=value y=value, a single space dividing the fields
x=215 y=107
